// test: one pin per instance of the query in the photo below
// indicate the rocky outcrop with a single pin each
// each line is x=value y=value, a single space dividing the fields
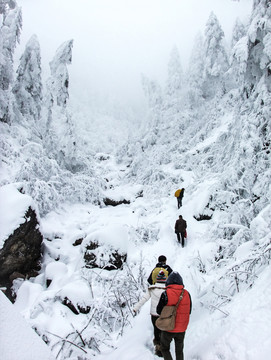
x=21 y=251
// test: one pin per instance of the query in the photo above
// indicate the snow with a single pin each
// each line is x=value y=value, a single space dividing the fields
x=12 y=210
x=215 y=145
x=233 y=331
x=18 y=340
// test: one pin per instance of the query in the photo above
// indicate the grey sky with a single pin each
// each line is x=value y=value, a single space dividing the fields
x=117 y=40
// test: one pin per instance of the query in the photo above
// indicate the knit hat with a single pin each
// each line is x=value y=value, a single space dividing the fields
x=162 y=259
x=161 y=277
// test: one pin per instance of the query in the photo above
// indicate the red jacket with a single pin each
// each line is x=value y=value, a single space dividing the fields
x=183 y=310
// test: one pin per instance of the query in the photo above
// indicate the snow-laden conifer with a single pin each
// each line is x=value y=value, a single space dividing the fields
x=153 y=92
x=175 y=74
x=9 y=37
x=27 y=88
x=238 y=32
x=195 y=74
x=59 y=81
x=216 y=61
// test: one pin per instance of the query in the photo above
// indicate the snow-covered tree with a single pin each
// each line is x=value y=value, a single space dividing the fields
x=238 y=60
x=259 y=45
x=175 y=74
x=28 y=87
x=9 y=36
x=59 y=81
x=216 y=61
x=153 y=92
x=60 y=140
x=238 y=32
x=195 y=75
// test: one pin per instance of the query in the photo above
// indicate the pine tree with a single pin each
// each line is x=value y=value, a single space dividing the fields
x=259 y=44
x=253 y=163
x=59 y=81
x=59 y=133
x=28 y=87
x=152 y=92
x=239 y=51
x=195 y=75
x=175 y=74
x=9 y=37
x=238 y=32
x=216 y=61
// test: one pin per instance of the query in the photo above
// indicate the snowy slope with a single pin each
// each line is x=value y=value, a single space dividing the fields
x=227 y=325
x=18 y=340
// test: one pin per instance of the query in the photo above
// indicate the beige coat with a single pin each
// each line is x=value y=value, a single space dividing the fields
x=154 y=292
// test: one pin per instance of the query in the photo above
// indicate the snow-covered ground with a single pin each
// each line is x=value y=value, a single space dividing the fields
x=239 y=329
x=18 y=340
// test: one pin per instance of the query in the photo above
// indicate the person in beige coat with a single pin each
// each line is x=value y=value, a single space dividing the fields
x=154 y=292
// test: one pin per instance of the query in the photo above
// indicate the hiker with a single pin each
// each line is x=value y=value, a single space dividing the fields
x=161 y=265
x=154 y=292
x=174 y=288
x=179 y=195
x=180 y=228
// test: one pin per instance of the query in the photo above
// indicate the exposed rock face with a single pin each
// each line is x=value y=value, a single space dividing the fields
x=21 y=251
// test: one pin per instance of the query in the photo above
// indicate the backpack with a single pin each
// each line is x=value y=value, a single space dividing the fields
x=178 y=192
x=167 y=318
x=155 y=272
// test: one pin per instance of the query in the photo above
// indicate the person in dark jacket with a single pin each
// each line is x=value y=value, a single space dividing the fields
x=174 y=288
x=180 y=229
x=180 y=198
x=159 y=266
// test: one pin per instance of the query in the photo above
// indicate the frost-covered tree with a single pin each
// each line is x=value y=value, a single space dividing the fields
x=259 y=45
x=59 y=136
x=28 y=86
x=175 y=74
x=195 y=75
x=57 y=94
x=251 y=180
x=238 y=32
x=59 y=81
x=216 y=61
x=9 y=36
x=152 y=92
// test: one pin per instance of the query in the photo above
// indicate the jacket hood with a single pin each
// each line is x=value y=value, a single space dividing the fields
x=174 y=278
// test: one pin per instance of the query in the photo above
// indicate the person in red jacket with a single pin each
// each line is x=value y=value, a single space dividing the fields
x=174 y=287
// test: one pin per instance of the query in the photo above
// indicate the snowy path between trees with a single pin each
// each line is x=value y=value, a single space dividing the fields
x=237 y=331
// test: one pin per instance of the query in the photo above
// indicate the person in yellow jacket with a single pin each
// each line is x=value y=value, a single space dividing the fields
x=179 y=195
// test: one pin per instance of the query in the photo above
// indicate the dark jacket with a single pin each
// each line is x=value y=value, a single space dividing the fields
x=164 y=266
x=174 y=287
x=180 y=226
x=181 y=194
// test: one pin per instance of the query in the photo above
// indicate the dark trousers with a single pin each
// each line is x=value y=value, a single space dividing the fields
x=166 y=338
x=179 y=237
x=179 y=201
x=156 y=331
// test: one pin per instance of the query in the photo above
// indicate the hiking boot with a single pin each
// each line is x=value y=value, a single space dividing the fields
x=158 y=351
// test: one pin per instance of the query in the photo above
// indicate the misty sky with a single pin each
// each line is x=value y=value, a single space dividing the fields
x=115 y=41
